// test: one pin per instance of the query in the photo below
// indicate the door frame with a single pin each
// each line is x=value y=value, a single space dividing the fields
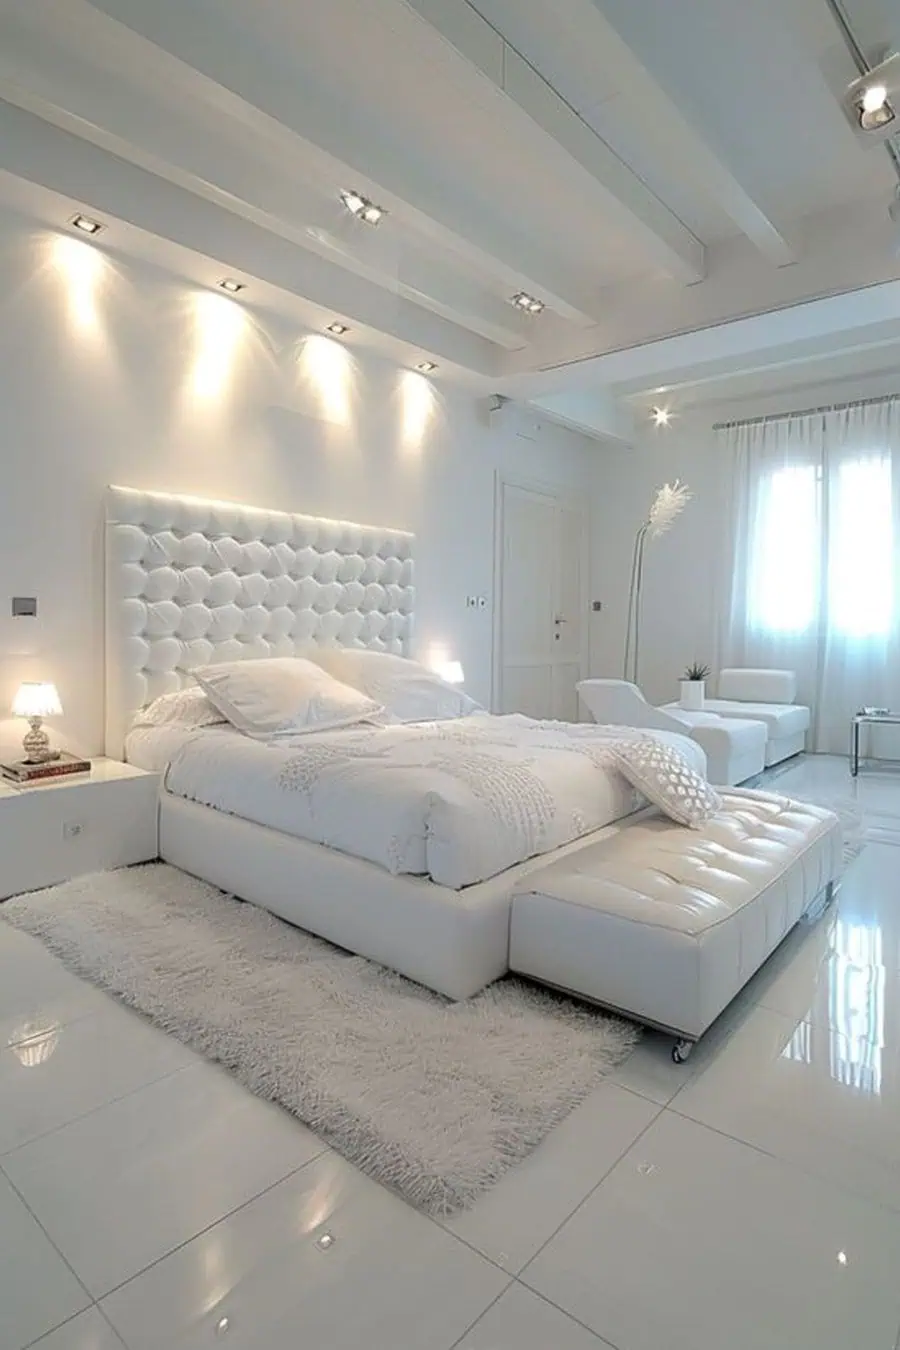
x=569 y=498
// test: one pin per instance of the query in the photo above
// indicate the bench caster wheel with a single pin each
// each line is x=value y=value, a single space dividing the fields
x=681 y=1050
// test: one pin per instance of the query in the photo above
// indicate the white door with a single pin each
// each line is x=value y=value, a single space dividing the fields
x=541 y=614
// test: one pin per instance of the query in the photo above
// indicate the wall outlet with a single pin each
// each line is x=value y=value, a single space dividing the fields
x=72 y=829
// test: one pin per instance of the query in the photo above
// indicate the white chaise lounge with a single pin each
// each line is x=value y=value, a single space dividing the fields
x=765 y=696
x=735 y=748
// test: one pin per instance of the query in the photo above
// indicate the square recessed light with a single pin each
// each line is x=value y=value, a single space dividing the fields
x=363 y=208
x=427 y=367
x=325 y=1241
x=527 y=303
x=339 y=329
x=232 y=286
x=85 y=224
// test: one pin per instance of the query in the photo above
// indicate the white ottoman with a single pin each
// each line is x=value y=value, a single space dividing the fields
x=735 y=748
x=667 y=924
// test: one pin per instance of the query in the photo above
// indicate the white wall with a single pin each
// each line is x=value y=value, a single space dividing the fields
x=681 y=573
x=109 y=373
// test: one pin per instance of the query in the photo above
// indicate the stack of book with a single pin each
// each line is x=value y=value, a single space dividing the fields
x=23 y=771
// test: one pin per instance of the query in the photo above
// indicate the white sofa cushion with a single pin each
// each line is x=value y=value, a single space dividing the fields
x=669 y=924
x=757 y=686
x=788 y=719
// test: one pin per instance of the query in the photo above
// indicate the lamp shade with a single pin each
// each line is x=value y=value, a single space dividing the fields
x=451 y=672
x=37 y=700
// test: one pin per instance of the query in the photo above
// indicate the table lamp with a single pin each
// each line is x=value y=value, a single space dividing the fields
x=451 y=672
x=37 y=701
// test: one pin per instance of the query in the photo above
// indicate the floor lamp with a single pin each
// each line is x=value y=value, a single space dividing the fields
x=669 y=502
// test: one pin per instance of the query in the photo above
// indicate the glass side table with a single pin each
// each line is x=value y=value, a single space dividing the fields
x=872 y=719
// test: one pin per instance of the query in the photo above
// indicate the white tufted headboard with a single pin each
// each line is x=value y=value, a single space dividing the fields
x=191 y=581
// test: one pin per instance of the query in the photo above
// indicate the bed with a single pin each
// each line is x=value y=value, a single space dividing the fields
x=192 y=582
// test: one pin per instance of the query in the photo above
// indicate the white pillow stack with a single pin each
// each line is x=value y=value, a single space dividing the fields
x=283 y=696
x=408 y=691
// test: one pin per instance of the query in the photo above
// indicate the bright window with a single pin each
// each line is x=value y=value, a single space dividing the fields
x=784 y=577
x=853 y=540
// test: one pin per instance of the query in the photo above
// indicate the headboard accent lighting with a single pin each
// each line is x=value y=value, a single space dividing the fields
x=190 y=581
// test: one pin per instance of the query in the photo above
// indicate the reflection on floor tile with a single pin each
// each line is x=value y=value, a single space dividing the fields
x=387 y=1279
x=526 y=1206
x=695 y=1242
x=120 y=1188
x=37 y=1288
x=88 y=1331
x=520 y=1320
x=59 y=1072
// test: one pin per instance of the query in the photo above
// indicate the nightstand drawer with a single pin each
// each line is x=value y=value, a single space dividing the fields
x=59 y=830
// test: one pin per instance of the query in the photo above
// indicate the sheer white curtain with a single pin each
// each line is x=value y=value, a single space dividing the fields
x=815 y=582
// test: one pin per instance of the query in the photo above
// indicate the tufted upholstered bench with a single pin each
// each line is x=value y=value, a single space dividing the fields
x=667 y=924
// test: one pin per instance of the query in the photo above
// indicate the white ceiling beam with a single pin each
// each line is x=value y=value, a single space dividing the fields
x=34 y=151
x=51 y=80
x=186 y=46
x=668 y=242
x=656 y=116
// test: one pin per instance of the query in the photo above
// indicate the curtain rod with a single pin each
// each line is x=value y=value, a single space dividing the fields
x=805 y=412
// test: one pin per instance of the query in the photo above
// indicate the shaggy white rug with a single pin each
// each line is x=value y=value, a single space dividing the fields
x=432 y=1098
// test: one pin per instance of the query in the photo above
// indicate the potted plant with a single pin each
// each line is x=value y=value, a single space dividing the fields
x=693 y=687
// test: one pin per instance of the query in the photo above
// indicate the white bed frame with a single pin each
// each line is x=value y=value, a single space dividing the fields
x=191 y=581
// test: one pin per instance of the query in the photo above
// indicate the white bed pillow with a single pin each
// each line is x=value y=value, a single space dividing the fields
x=283 y=696
x=667 y=780
x=183 y=708
x=408 y=691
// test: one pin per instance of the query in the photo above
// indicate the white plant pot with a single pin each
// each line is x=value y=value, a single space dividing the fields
x=693 y=695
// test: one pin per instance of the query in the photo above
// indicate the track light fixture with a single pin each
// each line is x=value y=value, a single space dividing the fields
x=872 y=101
x=363 y=208
x=527 y=303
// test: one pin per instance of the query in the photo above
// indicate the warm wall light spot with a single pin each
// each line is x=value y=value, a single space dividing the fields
x=417 y=406
x=219 y=324
x=82 y=269
x=327 y=367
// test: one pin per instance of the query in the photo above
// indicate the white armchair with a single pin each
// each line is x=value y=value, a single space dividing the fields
x=735 y=749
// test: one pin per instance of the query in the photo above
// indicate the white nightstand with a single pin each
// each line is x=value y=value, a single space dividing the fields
x=62 y=828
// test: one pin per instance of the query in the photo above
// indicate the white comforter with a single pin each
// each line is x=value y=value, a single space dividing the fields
x=454 y=801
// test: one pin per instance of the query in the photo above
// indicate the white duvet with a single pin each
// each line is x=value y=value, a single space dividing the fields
x=456 y=801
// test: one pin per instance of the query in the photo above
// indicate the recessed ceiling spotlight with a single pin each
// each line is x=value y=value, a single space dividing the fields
x=427 y=367
x=325 y=1241
x=527 y=303
x=339 y=329
x=661 y=417
x=363 y=208
x=86 y=225
x=232 y=286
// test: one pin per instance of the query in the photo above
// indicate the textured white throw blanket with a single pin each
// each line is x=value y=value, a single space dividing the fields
x=456 y=801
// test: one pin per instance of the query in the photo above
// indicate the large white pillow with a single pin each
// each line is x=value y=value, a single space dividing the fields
x=283 y=696
x=409 y=692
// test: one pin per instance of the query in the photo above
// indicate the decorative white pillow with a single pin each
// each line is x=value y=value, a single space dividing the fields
x=185 y=707
x=283 y=696
x=667 y=780
x=409 y=692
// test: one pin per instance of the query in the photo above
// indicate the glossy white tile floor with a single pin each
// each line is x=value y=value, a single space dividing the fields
x=750 y=1198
